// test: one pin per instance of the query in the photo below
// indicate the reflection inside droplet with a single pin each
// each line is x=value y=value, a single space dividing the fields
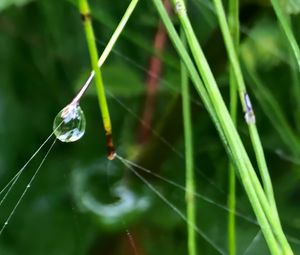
x=69 y=124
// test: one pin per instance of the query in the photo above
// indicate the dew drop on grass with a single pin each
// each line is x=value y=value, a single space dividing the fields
x=69 y=124
x=250 y=117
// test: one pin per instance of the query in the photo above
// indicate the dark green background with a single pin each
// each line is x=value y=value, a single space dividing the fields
x=44 y=61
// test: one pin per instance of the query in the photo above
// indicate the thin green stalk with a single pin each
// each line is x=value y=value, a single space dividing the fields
x=227 y=122
x=273 y=111
x=108 y=48
x=90 y=37
x=288 y=31
x=256 y=142
x=233 y=22
x=136 y=38
x=286 y=26
x=245 y=100
x=223 y=123
x=231 y=201
x=118 y=31
x=201 y=62
x=233 y=139
x=189 y=161
x=295 y=91
x=226 y=129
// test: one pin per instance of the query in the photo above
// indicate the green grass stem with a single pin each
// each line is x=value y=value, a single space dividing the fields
x=273 y=111
x=118 y=31
x=109 y=46
x=288 y=31
x=226 y=122
x=96 y=64
x=90 y=37
x=253 y=188
x=255 y=139
x=226 y=129
x=286 y=27
x=231 y=201
x=189 y=160
x=295 y=91
x=233 y=22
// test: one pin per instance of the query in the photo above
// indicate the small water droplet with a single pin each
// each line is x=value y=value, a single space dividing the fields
x=250 y=117
x=5 y=223
x=28 y=186
x=69 y=124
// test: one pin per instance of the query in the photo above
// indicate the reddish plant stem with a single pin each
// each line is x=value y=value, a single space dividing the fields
x=131 y=245
x=152 y=84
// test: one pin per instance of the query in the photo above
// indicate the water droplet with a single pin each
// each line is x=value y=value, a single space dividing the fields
x=28 y=186
x=250 y=117
x=5 y=223
x=69 y=124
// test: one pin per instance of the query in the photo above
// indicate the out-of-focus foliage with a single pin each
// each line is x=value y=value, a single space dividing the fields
x=292 y=6
x=74 y=205
x=6 y=3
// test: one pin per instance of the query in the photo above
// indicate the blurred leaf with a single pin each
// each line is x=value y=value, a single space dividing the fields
x=6 y=3
x=292 y=6
x=121 y=80
x=263 y=47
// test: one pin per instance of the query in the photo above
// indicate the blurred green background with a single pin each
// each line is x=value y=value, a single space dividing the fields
x=82 y=204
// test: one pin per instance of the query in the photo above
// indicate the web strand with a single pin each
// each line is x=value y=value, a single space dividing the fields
x=255 y=240
x=9 y=186
x=163 y=140
x=173 y=207
x=198 y=195
x=27 y=188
